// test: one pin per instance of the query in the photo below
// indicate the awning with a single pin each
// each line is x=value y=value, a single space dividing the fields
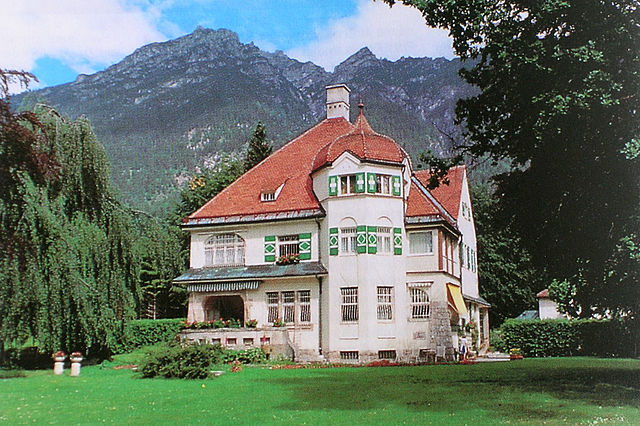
x=454 y=295
x=223 y=286
x=251 y=272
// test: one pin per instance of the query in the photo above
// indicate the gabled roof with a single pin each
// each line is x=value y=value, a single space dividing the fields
x=421 y=203
x=362 y=142
x=290 y=165
x=447 y=195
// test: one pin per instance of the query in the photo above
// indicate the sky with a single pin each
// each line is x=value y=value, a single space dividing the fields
x=58 y=39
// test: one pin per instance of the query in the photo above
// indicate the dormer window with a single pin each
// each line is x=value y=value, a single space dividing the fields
x=270 y=194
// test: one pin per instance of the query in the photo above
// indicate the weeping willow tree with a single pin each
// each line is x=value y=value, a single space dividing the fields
x=69 y=265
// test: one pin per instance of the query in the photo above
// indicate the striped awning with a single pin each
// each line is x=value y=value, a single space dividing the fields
x=454 y=296
x=223 y=286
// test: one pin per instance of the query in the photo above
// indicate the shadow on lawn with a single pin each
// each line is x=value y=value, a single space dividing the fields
x=504 y=390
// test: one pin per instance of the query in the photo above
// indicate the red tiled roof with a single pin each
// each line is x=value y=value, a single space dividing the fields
x=418 y=204
x=544 y=293
x=290 y=165
x=447 y=195
x=362 y=142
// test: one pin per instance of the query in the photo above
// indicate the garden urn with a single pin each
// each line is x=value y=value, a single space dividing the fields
x=58 y=363
x=76 y=362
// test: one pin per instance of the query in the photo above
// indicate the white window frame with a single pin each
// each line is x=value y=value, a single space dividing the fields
x=384 y=308
x=347 y=184
x=419 y=303
x=384 y=184
x=413 y=249
x=290 y=306
x=348 y=240
x=349 y=304
x=384 y=239
x=224 y=250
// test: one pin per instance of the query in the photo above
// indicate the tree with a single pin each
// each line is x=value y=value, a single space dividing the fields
x=558 y=88
x=258 y=149
x=507 y=278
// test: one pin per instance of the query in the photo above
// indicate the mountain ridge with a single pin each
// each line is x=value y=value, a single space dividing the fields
x=170 y=107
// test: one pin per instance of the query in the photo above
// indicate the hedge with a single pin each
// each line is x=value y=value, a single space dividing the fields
x=146 y=332
x=563 y=337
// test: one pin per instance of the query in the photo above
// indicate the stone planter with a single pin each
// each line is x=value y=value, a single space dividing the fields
x=76 y=363
x=58 y=364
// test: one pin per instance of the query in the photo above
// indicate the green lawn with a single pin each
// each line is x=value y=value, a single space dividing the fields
x=555 y=391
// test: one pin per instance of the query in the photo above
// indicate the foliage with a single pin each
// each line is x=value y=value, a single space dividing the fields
x=507 y=278
x=259 y=147
x=559 y=86
x=146 y=332
x=69 y=251
x=205 y=185
x=193 y=361
x=562 y=293
x=570 y=337
x=217 y=323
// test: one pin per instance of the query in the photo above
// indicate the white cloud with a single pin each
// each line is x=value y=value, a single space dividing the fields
x=80 y=33
x=389 y=32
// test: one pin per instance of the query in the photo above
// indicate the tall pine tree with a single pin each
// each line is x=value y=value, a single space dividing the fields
x=259 y=148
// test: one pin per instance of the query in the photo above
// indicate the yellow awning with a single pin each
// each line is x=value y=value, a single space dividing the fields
x=455 y=299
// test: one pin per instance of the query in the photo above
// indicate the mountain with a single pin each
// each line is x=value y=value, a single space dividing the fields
x=171 y=107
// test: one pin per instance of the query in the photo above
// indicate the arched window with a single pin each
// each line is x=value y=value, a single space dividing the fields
x=224 y=250
x=384 y=241
x=419 y=303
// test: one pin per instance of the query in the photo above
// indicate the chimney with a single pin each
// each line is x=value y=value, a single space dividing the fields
x=338 y=101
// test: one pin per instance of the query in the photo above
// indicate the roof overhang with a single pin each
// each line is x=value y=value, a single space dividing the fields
x=245 y=274
x=253 y=218
x=434 y=219
x=478 y=300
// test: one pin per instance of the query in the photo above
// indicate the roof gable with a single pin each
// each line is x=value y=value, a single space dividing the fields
x=448 y=195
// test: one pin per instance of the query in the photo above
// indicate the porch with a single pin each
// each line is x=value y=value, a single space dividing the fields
x=274 y=341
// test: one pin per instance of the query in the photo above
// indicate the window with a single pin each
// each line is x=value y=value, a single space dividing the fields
x=388 y=354
x=347 y=184
x=420 y=242
x=224 y=249
x=419 y=303
x=286 y=305
x=349 y=355
x=268 y=196
x=383 y=184
x=385 y=303
x=349 y=306
x=348 y=240
x=304 y=303
x=383 y=235
x=288 y=244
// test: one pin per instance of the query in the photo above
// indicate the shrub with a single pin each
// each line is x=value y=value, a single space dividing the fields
x=568 y=337
x=148 y=332
x=192 y=361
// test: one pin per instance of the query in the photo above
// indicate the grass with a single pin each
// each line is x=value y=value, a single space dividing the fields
x=532 y=391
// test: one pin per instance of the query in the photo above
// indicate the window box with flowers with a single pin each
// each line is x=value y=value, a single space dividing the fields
x=288 y=259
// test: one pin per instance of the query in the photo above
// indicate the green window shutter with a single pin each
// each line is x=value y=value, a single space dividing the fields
x=396 y=183
x=360 y=182
x=397 y=240
x=372 y=240
x=269 y=248
x=333 y=185
x=333 y=241
x=304 y=246
x=361 y=239
x=371 y=183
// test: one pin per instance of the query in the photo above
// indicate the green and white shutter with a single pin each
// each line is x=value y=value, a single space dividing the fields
x=304 y=246
x=333 y=241
x=361 y=239
x=360 y=182
x=371 y=183
x=333 y=185
x=397 y=240
x=372 y=240
x=396 y=183
x=269 y=248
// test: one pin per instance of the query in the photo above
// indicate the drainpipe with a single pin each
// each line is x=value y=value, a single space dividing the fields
x=319 y=314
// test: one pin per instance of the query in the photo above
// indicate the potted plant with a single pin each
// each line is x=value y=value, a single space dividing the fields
x=59 y=356
x=515 y=353
x=278 y=323
x=251 y=323
x=288 y=259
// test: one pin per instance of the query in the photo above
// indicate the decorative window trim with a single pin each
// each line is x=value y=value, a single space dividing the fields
x=349 y=312
x=349 y=240
x=219 y=248
x=384 y=240
x=419 y=303
x=287 y=245
x=290 y=306
x=384 y=307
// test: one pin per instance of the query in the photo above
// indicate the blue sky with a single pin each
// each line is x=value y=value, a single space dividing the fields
x=57 y=40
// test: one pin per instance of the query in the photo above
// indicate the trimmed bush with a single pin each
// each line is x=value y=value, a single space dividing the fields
x=192 y=361
x=568 y=337
x=148 y=332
